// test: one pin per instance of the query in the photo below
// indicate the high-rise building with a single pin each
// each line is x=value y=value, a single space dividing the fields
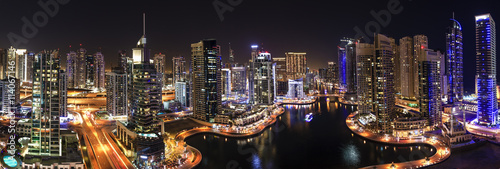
x=407 y=67
x=77 y=69
x=281 y=75
x=332 y=76
x=239 y=79
x=376 y=81
x=296 y=65
x=45 y=133
x=206 y=79
x=159 y=61
x=486 y=70
x=90 y=72
x=349 y=65
x=100 y=71
x=116 y=92
x=123 y=60
x=342 y=57
x=226 y=81
x=141 y=133
x=430 y=64
x=63 y=93
x=262 y=73
x=454 y=64
x=397 y=66
x=183 y=93
x=179 y=69
x=420 y=43
x=9 y=91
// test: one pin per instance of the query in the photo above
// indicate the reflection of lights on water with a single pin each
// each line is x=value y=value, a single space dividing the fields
x=351 y=155
x=256 y=162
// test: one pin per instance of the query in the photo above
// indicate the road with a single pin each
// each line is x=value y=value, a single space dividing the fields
x=104 y=151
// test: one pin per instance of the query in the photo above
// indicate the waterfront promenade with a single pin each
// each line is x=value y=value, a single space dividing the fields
x=443 y=152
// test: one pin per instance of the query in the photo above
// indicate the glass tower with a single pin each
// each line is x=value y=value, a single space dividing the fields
x=486 y=70
x=454 y=63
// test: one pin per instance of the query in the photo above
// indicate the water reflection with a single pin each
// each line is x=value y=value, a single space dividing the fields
x=325 y=142
x=351 y=155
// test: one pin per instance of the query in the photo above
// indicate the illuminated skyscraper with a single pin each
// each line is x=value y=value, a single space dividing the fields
x=486 y=70
x=420 y=42
x=376 y=81
x=226 y=81
x=430 y=86
x=179 y=69
x=408 y=67
x=454 y=64
x=239 y=79
x=116 y=92
x=296 y=65
x=342 y=54
x=63 y=93
x=45 y=134
x=262 y=73
x=281 y=75
x=141 y=132
x=100 y=72
x=206 y=79
x=159 y=61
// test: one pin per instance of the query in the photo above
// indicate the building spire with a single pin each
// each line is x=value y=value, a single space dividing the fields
x=144 y=24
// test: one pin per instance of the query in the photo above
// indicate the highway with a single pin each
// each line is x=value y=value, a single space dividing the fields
x=102 y=148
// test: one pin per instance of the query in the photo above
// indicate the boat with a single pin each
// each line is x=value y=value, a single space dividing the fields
x=309 y=117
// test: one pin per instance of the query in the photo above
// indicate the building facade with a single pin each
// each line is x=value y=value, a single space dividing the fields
x=454 y=64
x=206 y=79
x=263 y=79
x=45 y=134
x=116 y=92
x=430 y=87
x=486 y=70
x=296 y=64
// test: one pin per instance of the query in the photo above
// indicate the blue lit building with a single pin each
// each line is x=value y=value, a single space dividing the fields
x=486 y=70
x=454 y=64
x=342 y=66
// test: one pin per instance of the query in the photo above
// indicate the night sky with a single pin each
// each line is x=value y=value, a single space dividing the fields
x=292 y=25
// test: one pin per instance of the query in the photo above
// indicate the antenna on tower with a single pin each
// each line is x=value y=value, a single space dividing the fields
x=144 y=23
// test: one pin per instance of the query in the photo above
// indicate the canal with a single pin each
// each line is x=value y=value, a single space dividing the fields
x=323 y=142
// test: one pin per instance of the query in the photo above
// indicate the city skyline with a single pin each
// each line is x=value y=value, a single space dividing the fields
x=287 y=88
x=296 y=39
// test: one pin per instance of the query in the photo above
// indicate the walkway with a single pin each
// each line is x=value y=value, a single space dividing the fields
x=443 y=152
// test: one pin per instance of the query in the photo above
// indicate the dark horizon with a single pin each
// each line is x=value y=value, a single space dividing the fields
x=282 y=26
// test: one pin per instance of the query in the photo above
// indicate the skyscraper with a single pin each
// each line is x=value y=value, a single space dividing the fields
x=159 y=61
x=179 y=69
x=76 y=69
x=263 y=77
x=45 y=134
x=430 y=86
x=183 y=93
x=342 y=63
x=454 y=64
x=239 y=79
x=63 y=93
x=116 y=92
x=141 y=131
x=486 y=70
x=206 y=79
x=407 y=67
x=420 y=43
x=90 y=72
x=231 y=55
x=281 y=76
x=397 y=66
x=226 y=81
x=296 y=64
x=100 y=71
x=376 y=81
x=332 y=71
